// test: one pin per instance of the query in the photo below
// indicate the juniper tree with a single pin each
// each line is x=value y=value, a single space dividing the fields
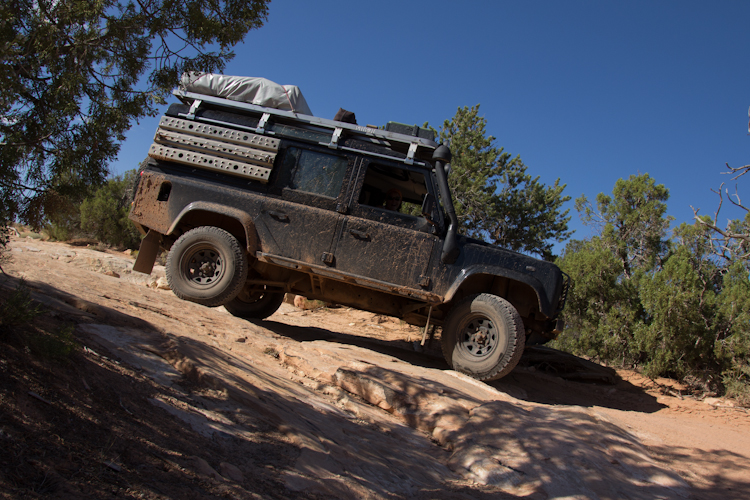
x=76 y=74
x=496 y=200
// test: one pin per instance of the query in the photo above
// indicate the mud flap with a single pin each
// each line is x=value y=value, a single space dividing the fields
x=144 y=263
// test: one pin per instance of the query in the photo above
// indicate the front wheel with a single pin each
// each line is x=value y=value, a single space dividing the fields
x=206 y=265
x=483 y=337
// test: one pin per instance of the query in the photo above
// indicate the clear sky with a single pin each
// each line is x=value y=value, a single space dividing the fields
x=583 y=90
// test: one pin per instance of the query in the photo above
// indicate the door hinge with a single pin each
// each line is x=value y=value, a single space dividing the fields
x=327 y=258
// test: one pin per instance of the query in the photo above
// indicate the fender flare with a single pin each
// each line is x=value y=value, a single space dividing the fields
x=530 y=281
x=247 y=222
x=149 y=248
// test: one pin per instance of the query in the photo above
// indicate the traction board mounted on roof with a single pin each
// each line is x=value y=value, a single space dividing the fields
x=215 y=148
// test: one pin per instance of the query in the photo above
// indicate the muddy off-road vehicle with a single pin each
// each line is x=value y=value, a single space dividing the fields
x=254 y=201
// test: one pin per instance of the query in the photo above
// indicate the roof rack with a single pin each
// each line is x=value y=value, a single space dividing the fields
x=410 y=144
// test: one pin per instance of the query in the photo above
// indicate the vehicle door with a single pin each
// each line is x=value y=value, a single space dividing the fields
x=391 y=245
x=300 y=224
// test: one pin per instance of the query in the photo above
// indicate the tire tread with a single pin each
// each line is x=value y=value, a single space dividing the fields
x=236 y=282
x=518 y=337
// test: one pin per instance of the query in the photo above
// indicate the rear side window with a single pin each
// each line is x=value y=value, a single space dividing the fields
x=314 y=172
x=383 y=182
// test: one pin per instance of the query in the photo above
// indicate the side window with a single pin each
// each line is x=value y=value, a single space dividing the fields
x=394 y=189
x=314 y=172
x=394 y=195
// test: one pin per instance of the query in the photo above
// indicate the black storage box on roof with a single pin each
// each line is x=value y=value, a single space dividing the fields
x=412 y=130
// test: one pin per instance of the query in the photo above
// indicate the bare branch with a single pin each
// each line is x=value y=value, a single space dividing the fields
x=733 y=170
x=737 y=203
x=725 y=233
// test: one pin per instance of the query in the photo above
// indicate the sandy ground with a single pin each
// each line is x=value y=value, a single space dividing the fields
x=166 y=399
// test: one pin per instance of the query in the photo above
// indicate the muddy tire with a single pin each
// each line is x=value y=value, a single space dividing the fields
x=255 y=303
x=206 y=265
x=483 y=337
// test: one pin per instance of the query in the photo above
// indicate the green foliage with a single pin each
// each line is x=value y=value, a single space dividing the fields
x=17 y=314
x=732 y=346
x=602 y=312
x=17 y=309
x=675 y=307
x=631 y=221
x=63 y=216
x=104 y=216
x=680 y=301
x=4 y=240
x=75 y=75
x=495 y=198
x=58 y=345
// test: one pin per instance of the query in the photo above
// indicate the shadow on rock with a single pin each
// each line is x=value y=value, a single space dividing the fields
x=399 y=349
x=576 y=381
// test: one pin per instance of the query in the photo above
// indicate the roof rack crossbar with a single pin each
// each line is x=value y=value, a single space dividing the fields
x=349 y=129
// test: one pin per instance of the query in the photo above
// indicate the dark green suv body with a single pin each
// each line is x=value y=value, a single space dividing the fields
x=254 y=202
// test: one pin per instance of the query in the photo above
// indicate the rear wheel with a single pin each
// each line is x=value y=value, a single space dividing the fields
x=483 y=337
x=255 y=302
x=206 y=265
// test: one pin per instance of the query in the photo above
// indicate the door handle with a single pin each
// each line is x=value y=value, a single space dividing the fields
x=279 y=216
x=361 y=235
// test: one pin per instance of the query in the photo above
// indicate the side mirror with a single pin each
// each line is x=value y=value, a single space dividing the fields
x=428 y=208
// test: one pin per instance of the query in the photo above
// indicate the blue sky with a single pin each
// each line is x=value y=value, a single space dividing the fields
x=585 y=91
